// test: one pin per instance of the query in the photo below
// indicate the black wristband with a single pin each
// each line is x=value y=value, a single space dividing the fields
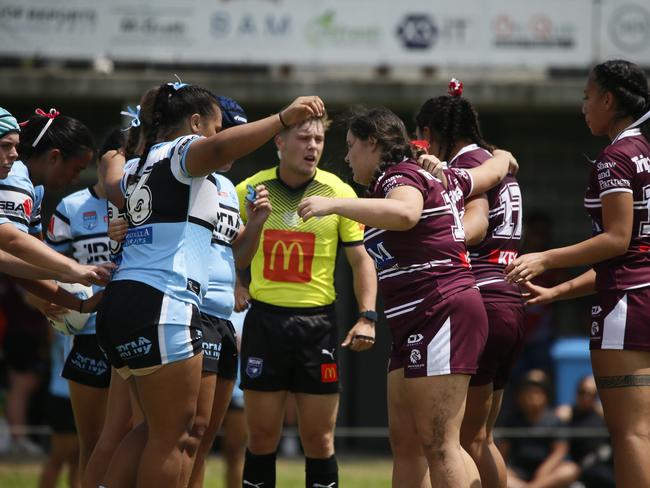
x=81 y=306
x=369 y=315
x=284 y=124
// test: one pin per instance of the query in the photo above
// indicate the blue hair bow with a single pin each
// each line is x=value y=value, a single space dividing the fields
x=134 y=114
x=177 y=85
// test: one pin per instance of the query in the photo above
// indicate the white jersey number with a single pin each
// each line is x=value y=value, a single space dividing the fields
x=457 y=230
x=644 y=225
x=510 y=208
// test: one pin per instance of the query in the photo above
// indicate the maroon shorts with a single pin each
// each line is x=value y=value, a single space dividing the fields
x=446 y=338
x=621 y=320
x=504 y=343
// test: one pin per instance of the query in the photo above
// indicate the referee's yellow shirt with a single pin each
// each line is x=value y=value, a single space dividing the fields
x=294 y=264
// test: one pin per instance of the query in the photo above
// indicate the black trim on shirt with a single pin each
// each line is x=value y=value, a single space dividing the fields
x=93 y=192
x=14 y=218
x=89 y=236
x=16 y=189
x=352 y=243
x=62 y=217
x=202 y=223
x=297 y=188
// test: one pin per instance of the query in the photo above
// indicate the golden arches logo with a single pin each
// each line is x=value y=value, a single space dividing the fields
x=286 y=255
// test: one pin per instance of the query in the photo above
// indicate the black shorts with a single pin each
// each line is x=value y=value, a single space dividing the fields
x=292 y=349
x=59 y=415
x=219 y=344
x=139 y=326
x=86 y=363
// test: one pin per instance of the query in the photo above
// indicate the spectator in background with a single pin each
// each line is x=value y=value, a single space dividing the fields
x=593 y=455
x=536 y=461
x=26 y=356
x=64 y=444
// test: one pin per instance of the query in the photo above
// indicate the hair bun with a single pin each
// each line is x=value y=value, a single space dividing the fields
x=455 y=88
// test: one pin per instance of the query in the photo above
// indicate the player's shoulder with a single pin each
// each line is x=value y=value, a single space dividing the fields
x=262 y=176
x=18 y=177
x=626 y=147
x=77 y=198
x=333 y=181
x=471 y=157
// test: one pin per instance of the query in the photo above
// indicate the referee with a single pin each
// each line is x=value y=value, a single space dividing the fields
x=289 y=342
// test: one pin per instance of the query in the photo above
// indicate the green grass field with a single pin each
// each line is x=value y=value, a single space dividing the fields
x=354 y=473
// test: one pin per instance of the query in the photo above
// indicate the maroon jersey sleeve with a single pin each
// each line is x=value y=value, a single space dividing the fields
x=462 y=180
x=614 y=171
x=405 y=175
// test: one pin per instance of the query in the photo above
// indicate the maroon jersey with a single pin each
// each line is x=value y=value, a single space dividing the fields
x=502 y=240
x=623 y=166
x=419 y=267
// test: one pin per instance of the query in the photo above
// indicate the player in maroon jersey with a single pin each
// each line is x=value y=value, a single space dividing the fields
x=436 y=316
x=616 y=104
x=492 y=225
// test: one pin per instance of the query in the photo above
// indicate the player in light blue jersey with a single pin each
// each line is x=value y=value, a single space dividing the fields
x=233 y=246
x=163 y=276
x=78 y=228
x=64 y=445
x=52 y=149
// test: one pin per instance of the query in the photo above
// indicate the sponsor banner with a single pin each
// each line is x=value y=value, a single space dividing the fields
x=363 y=32
x=625 y=30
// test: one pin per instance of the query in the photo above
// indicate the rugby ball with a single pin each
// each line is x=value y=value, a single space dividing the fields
x=73 y=321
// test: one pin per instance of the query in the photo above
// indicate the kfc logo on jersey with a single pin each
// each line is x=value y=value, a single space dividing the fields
x=502 y=257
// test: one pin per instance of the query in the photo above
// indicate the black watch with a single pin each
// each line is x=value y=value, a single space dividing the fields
x=369 y=314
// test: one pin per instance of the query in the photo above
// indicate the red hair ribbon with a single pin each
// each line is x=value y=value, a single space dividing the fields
x=52 y=114
x=455 y=88
x=420 y=144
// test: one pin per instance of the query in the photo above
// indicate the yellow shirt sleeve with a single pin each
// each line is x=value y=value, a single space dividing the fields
x=350 y=231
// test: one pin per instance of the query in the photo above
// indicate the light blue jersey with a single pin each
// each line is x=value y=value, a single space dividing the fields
x=220 y=298
x=20 y=201
x=171 y=217
x=79 y=227
x=61 y=344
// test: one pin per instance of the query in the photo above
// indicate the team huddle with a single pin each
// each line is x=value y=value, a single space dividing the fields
x=173 y=248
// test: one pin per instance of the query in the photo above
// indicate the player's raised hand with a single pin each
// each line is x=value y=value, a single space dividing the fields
x=526 y=267
x=301 y=109
x=432 y=164
x=315 y=207
x=513 y=165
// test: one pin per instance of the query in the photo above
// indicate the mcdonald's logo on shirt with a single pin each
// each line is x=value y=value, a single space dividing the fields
x=329 y=373
x=288 y=255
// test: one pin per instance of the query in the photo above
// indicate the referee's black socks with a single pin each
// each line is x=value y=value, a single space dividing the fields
x=259 y=470
x=322 y=473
